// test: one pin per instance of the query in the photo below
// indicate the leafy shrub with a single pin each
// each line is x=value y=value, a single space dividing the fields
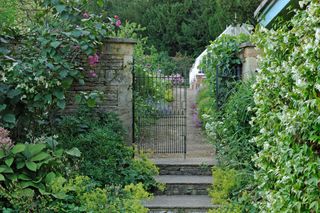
x=231 y=133
x=223 y=54
x=225 y=180
x=231 y=130
x=39 y=65
x=25 y=172
x=106 y=157
x=168 y=96
x=287 y=114
x=81 y=194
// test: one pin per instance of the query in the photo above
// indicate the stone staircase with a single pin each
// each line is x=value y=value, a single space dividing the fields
x=187 y=182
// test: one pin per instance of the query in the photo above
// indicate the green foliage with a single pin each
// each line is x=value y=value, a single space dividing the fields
x=205 y=103
x=234 y=11
x=225 y=180
x=8 y=11
x=25 y=172
x=226 y=120
x=287 y=114
x=133 y=201
x=38 y=68
x=106 y=157
x=81 y=194
x=223 y=54
x=231 y=131
x=183 y=26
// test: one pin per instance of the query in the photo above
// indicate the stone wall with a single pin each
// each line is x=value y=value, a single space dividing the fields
x=248 y=57
x=114 y=79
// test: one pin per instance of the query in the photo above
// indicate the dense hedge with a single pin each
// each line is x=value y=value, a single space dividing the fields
x=228 y=128
x=287 y=97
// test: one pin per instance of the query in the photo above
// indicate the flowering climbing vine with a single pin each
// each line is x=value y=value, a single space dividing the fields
x=39 y=65
x=287 y=98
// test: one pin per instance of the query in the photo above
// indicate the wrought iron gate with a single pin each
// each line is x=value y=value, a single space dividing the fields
x=160 y=112
x=225 y=81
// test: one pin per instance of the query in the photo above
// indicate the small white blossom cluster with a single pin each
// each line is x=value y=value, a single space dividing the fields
x=287 y=98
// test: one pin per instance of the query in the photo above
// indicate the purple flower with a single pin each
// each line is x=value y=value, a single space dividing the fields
x=196 y=120
x=193 y=106
x=85 y=15
x=93 y=74
x=93 y=59
x=118 y=23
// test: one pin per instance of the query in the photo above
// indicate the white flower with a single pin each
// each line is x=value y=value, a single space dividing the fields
x=317 y=35
x=303 y=3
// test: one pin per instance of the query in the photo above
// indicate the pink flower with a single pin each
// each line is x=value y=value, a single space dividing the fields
x=118 y=23
x=96 y=57
x=116 y=17
x=93 y=59
x=85 y=15
x=5 y=141
x=93 y=74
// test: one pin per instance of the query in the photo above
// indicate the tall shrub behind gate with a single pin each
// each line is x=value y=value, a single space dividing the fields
x=287 y=97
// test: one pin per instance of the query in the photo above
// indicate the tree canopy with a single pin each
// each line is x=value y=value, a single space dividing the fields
x=184 y=26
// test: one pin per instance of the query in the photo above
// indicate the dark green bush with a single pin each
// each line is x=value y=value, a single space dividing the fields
x=106 y=157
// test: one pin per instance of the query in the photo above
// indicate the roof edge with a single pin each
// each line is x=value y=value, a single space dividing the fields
x=262 y=6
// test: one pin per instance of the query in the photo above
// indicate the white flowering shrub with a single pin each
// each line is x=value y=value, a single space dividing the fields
x=287 y=98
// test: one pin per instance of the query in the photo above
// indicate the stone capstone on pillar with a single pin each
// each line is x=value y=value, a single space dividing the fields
x=248 y=56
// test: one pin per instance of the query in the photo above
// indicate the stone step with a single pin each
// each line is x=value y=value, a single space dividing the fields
x=179 y=204
x=184 y=184
x=179 y=166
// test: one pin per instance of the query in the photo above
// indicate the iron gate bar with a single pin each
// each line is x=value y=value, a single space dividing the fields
x=161 y=124
x=234 y=73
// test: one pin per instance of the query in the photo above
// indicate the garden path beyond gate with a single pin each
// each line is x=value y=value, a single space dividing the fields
x=160 y=112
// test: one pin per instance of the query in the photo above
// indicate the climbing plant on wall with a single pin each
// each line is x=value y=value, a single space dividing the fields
x=222 y=54
x=287 y=98
x=40 y=60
